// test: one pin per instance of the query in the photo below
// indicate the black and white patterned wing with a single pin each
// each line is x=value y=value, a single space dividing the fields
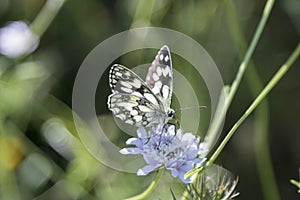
x=132 y=100
x=160 y=76
x=123 y=80
x=135 y=110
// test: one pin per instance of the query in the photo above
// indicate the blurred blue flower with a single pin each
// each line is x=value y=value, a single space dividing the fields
x=17 y=39
x=164 y=146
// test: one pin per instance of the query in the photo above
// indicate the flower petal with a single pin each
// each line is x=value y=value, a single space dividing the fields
x=130 y=151
x=134 y=141
x=142 y=132
x=147 y=169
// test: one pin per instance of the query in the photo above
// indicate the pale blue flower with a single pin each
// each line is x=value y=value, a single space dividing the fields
x=164 y=146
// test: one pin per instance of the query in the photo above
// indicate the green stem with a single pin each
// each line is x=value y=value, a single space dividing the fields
x=46 y=16
x=249 y=53
x=241 y=70
x=151 y=187
x=281 y=72
x=143 y=12
x=261 y=116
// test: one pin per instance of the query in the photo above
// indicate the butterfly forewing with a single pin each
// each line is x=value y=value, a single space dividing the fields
x=123 y=80
x=160 y=76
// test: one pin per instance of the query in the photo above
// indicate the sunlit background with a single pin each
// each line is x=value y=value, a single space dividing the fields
x=41 y=156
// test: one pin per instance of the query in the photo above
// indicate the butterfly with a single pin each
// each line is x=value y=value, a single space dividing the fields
x=142 y=103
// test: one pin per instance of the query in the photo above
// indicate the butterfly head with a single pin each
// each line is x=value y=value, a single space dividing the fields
x=171 y=114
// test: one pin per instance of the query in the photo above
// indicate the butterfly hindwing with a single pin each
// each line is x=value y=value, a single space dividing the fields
x=134 y=110
x=160 y=77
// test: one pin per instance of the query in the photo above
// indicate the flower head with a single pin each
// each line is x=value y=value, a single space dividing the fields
x=16 y=39
x=164 y=146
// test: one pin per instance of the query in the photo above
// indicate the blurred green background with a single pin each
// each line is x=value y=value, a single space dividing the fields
x=41 y=156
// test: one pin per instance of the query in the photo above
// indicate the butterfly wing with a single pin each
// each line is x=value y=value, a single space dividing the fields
x=135 y=110
x=160 y=76
x=132 y=100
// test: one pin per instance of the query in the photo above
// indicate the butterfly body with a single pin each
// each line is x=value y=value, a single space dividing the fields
x=142 y=103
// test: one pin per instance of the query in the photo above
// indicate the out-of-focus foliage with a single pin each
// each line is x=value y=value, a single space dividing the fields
x=41 y=156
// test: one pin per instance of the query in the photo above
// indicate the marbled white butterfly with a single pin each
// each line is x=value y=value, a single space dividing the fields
x=142 y=103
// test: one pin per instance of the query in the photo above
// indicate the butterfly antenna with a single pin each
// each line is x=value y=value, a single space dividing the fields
x=187 y=108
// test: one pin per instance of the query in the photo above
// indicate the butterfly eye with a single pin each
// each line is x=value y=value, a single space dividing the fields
x=171 y=113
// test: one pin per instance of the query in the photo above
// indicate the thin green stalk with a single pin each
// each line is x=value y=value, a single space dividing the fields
x=217 y=121
x=249 y=53
x=281 y=72
x=143 y=12
x=261 y=116
x=46 y=16
x=151 y=187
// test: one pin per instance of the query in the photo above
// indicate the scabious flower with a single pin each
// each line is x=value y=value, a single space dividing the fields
x=164 y=146
x=17 y=39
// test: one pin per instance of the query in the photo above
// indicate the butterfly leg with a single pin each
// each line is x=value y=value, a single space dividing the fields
x=148 y=139
x=176 y=123
x=163 y=130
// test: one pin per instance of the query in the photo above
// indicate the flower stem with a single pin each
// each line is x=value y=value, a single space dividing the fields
x=241 y=70
x=151 y=187
x=229 y=93
x=281 y=72
x=249 y=53
x=46 y=16
x=261 y=115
